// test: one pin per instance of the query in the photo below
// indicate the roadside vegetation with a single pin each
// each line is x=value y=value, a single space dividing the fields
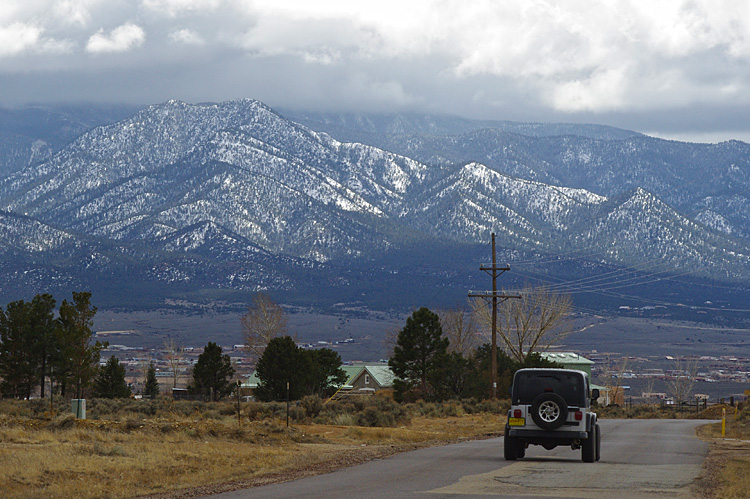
x=128 y=448
x=161 y=447
x=726 y=468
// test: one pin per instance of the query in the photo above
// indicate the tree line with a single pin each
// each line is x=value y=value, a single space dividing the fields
x=436 y=356
x=36 y=346
x=426 y=368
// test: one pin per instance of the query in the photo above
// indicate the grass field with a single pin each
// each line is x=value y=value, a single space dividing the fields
x=187 y=449
x=207 y=451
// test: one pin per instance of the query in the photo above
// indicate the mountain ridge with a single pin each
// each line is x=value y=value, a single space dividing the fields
x=177 y=192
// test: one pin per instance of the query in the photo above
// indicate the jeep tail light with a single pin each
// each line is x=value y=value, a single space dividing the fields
x=579 y=415
x=517 y=413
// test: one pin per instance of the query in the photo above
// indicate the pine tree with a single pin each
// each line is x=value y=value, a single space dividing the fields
x=42 y=325
x=325 y=374
x=110 y=380
x=420 y=350
x=212 y=373
x=282 y=364
x=151 y=390
x=76 y=360
x=18 y=365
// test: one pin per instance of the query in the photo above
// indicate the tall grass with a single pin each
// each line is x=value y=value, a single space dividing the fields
x=127 y=448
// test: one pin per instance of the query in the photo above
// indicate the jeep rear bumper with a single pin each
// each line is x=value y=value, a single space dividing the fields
x=565 y=436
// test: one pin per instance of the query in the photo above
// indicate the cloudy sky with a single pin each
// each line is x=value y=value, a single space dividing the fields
x=677 y=69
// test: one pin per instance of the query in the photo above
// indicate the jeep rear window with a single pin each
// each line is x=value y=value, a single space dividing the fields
x=529 y=385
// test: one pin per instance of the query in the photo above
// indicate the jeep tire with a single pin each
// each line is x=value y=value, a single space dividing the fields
x=598 y=442
x=511 y=447
x=588 y=446
x=549 y=411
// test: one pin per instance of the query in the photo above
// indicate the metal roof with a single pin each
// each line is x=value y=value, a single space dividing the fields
x=566 y=357
x=380 y=372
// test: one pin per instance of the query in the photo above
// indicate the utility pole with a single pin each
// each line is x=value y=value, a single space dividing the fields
x=494 y=271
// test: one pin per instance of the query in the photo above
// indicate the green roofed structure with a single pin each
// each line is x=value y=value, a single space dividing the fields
x=569 y=360
x=360 y=379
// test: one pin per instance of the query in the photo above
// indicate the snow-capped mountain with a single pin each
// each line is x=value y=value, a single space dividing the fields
x=707 y=182
x=235 y=196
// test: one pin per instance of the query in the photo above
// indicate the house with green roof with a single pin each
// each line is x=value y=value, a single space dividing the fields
x=369 y=377
x=360 y=379
x=569 y=360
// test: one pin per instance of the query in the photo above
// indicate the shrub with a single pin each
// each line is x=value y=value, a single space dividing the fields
x=344 y=419
x=475 y=406
x=63 y=422
x=312 y=404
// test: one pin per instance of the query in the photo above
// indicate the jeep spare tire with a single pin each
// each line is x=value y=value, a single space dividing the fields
x=549 y=411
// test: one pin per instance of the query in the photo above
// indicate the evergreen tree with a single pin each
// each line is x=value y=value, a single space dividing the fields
x=76 y=360
x=420 y=351
x=478 y=380
x=42 y=326
x=212 y=373
x=324 y=374
x=451 y=379
x=282 y=363
x=110 y=380
x=151 y=390
x=18 y=364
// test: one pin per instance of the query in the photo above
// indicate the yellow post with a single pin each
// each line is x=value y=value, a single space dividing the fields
x=723 y=421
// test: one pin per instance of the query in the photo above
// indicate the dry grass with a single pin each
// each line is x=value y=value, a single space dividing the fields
x=64 y=457
x=725 y=474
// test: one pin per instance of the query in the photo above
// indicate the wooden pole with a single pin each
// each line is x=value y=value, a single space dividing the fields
x=493 y=394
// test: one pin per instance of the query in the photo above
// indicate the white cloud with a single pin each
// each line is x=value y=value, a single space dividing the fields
x=186 y=37
x=571 y=59
x=121 y=39
x=173 y=8
x=73 y=12
x=17 y=38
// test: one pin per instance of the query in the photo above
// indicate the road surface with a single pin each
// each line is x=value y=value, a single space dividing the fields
x=640 y=458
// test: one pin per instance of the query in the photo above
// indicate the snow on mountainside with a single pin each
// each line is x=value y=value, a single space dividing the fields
x=641 y=224
x=685 y=175
x=234 y=196
x=476 y=200
x=25 y=235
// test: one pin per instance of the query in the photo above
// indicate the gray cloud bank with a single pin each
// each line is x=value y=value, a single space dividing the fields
x=674 y=68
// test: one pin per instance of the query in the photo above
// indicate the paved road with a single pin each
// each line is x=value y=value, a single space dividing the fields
x=640 y=458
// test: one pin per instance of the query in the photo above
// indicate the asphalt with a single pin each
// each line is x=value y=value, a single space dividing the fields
x=640 y=458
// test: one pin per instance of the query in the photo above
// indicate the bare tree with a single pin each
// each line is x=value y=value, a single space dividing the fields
x=175 y=354
x=650 y=390
x=461 y=329
x=533 y=323
x=613 y=372
x=681 y=382
x=390 y=339
x=263 y=321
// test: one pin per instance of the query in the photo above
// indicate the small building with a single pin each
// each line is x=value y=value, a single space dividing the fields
x=360 y=379
x=569 y=361
x=180 y=394
x=369 y=377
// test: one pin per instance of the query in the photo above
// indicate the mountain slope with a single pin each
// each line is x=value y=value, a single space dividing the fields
x=216 y=198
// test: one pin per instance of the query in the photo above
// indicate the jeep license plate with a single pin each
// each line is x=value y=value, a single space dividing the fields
x=517 y=422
